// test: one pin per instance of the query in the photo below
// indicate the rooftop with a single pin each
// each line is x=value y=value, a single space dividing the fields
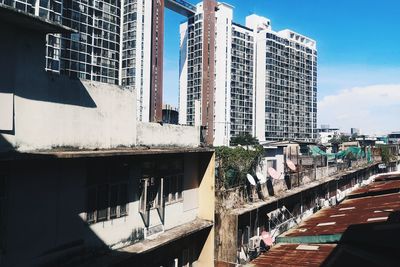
x=69 y=153
x=29 y=21
x=336 y=220
x=361 y=230
x=296 y=190
x=283 y=255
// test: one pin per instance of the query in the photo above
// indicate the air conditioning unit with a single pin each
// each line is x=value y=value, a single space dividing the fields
x=254 y=242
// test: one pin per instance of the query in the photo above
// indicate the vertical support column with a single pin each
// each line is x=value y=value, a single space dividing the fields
x=157 y=43
x=207 y=104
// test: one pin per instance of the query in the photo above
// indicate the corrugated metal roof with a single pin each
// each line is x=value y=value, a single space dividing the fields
x=294 y=255
x=335 y=220
x=387 y=176
x=358 y=226
x=377 y=188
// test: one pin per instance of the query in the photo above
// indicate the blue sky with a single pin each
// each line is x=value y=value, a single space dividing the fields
x=358 y=53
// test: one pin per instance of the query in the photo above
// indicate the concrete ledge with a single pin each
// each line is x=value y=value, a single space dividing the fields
x=168 y=236
x=166 y=135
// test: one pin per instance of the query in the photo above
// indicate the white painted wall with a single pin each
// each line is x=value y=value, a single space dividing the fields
x=276 y=153
x=260 y=83
x=155 y=134
x=222 y=96
x=56 y=111
x=143 y=89
x=183 y=72
x=46 y=125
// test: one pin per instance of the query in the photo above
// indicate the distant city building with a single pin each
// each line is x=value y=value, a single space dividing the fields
x=170 y=114
x=355 y=131
x=326 y=133
x=327 y=129
x=393 y=138
x=265 y=81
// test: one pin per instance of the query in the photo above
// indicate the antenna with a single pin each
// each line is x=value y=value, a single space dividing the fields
x=261 y=178
x=251 y=179
x=291 y=165
x=273 y=173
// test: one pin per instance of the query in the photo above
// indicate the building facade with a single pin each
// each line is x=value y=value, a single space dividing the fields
x=265 y=81
x=81 y=182
x=286 y=88
x=242 y=81
x=112 y=44
x=232 y=89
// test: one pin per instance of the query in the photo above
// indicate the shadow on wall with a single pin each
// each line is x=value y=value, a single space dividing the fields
x=5 y=146
x=23 y=74
x=48 y=198
x=58 y=89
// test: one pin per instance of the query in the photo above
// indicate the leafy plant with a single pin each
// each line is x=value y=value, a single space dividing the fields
x=387 y=155
x=244 y=139
x=235 y=162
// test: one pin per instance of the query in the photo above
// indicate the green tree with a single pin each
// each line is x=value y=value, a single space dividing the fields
x=244 y=139
x=235 y=162
x=387 y=155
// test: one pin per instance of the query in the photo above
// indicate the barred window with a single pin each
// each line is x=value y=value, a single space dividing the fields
x=107 y=193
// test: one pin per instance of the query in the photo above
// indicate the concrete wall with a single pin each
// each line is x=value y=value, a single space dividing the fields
x=51 y=110
x=154 y=134
x=46 y=210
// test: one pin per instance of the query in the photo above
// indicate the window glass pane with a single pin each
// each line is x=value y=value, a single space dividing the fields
x=113 y=200
x=123 y=199
x=91 y=204
x=102 y=202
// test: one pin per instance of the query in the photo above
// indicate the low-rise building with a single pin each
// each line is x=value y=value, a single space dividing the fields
x=81 y=182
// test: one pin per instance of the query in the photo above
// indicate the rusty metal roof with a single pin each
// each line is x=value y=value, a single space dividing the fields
x=335 y=220
x=359 y=227
x=387 y=176
x=377 y=188
x=294 y=255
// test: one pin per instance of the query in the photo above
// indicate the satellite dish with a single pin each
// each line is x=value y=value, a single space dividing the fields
x=251 y=179
x=291 y=165
x=267 y=238
x=274 y=174
x=261 y=178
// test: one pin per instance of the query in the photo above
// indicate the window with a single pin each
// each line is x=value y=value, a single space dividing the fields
x=161 y=183
x=107 y=192
x=173 y=188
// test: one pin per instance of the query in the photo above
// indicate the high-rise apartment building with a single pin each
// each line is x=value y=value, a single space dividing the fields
x=242 y=81
x=112 y=44
x=265 y=81
x=191 y=71
x=286 y=83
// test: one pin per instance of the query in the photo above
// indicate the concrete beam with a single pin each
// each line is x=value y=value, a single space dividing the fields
x=182 y=7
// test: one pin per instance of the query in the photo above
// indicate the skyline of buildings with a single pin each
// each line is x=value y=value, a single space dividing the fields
x=246 y=78
x=265 y=81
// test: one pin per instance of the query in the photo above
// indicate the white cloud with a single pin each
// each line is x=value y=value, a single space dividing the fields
x=375 y=109
x=339 y=77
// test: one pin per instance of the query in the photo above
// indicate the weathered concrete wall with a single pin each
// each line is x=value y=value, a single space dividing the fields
x=51 y=110
x=155 y=134
x=46 y=208
x=109 y=123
